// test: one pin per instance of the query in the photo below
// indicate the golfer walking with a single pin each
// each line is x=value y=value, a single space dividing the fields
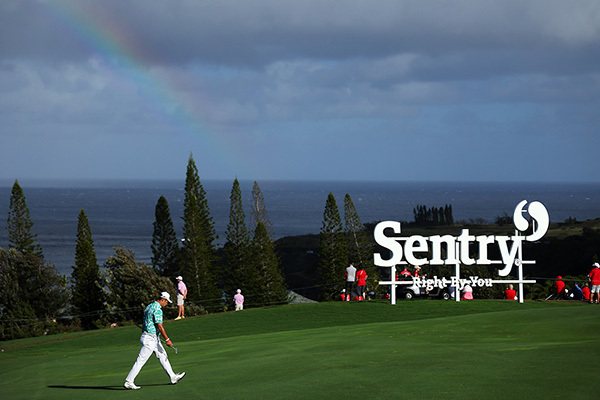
x=153 y=327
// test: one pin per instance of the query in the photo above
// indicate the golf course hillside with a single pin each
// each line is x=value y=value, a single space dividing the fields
x=424 y=349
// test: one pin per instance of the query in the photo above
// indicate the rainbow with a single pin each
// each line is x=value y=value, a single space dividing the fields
x=96 y=31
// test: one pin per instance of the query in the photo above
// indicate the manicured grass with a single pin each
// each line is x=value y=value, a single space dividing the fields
x=418 y=350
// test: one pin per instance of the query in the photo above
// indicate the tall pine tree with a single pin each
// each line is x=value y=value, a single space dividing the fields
x=87 y=290
x=238 y=272
x=198 y=251
x=271 y=284
x=20 y=224
x=333 y=255
x=360 y=250
x=270 y=276
x=259 y=210
x=165 y=248
x=30 y=288
x=448 y=214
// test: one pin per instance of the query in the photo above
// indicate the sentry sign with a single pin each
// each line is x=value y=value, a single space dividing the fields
x=454 y=250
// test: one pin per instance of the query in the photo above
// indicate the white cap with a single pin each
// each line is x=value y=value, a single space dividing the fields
x=166 y=296
x=596 y=265
x=239 y=290
x=179 y=278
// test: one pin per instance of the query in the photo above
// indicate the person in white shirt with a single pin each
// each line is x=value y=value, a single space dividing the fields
x=350 y=281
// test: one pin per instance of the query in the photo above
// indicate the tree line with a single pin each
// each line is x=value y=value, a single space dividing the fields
x=433 y=215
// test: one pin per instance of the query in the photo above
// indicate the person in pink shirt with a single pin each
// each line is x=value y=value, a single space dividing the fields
x=238 y=299
x=467 y=293
x=181 y=296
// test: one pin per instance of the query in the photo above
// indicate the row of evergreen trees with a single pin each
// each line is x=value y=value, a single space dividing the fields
x=248 y=261
x=433 y=215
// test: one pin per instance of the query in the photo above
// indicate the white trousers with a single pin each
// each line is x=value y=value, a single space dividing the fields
x=150 y=344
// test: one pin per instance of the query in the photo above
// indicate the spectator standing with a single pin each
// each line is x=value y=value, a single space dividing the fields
x=560 y=288
x=350 y=281
x=238 y=299
x=510 y=293
x=181 y=296
x=361 y=279
x=594 y=277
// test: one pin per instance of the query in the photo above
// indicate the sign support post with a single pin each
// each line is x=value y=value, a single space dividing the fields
x=457 y=273
x=393 y=285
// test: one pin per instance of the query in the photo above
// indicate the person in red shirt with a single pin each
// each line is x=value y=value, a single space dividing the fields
x=586 y=291
x=417 y=273
x=405 y=272
x=361 y=279
x=510 y=293
x=594 y=277
x=560 y=288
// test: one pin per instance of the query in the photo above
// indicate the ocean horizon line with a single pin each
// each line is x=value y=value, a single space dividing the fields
x=149 y=183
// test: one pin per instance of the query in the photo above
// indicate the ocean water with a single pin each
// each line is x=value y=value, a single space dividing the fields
x=122 y=213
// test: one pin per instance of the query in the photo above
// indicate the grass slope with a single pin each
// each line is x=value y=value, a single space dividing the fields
x=420 y=349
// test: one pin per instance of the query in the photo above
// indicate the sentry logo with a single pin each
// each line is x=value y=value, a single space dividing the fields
x=531 y=224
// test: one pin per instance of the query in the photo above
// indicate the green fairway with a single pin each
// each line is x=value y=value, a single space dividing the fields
x=417 y=350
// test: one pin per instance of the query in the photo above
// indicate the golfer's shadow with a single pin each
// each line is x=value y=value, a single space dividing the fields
x=101 y=387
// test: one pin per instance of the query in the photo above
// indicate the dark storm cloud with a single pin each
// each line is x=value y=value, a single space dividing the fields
x=257 y=33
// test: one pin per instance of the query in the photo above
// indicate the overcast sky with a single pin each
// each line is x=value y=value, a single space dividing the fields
x=470 y=90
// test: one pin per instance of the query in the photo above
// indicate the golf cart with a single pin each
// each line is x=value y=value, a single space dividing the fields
x=410 y=292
